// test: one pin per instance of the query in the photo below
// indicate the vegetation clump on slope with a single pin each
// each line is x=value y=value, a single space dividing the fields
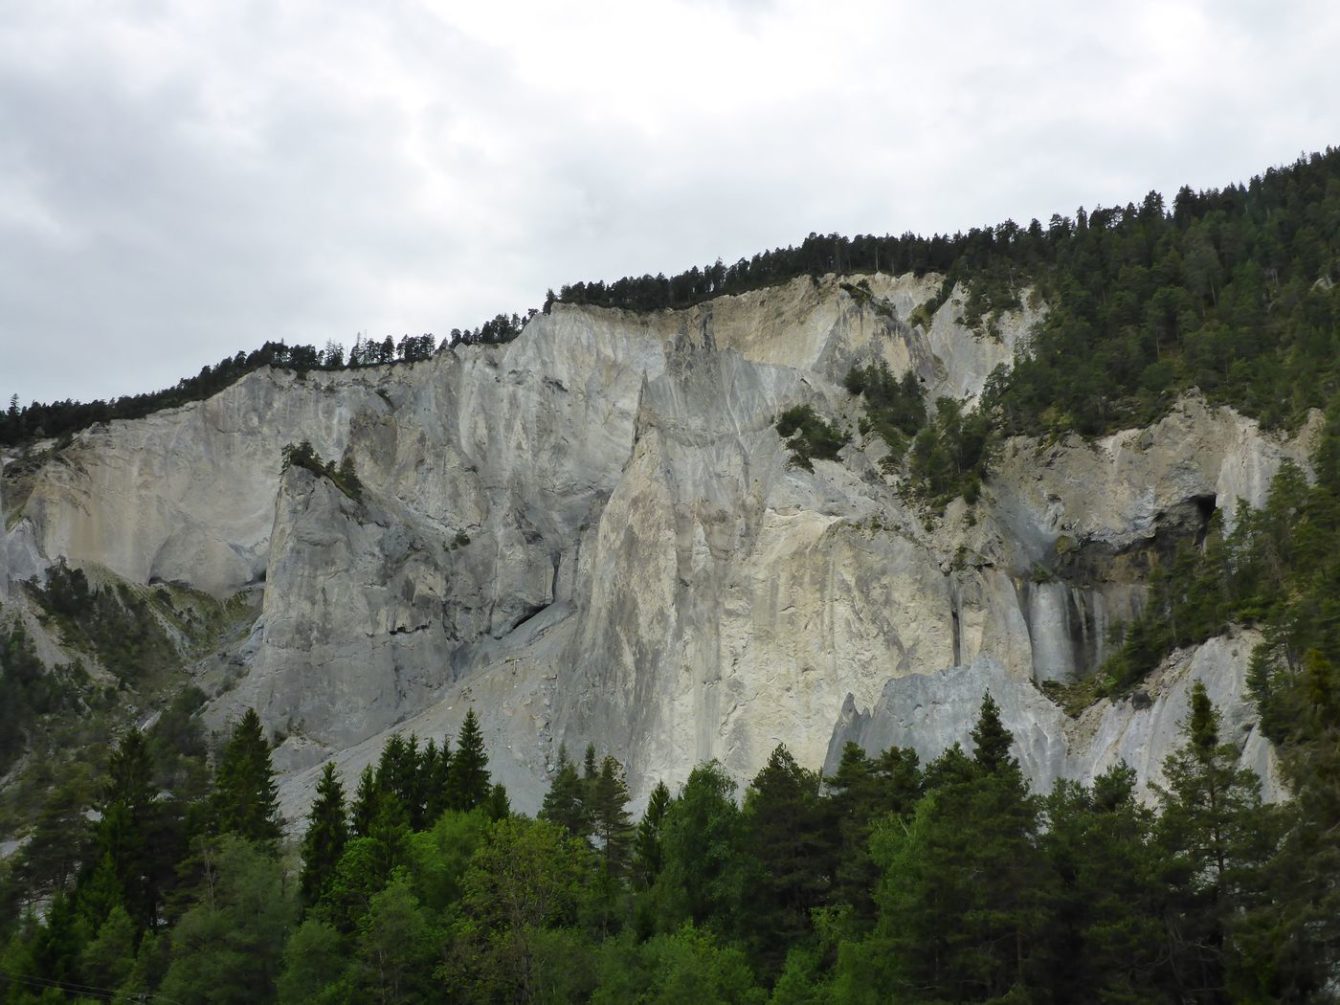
x=342 y=475
x=809 y=436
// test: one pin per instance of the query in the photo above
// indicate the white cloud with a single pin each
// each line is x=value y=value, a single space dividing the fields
x=180 y=181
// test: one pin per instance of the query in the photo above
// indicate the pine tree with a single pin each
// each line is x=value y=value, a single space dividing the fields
x=611 y=822
x=327 y=834
x=398 y=780
x=126 y=830
x=468 y=783
x=991 y=740
x=435 y=771
x=246 y=799
x=789 y=834
x=563 y=803
x=1217 y=836
x=964 y=888
x=366 y=802
x=648 y=857
x=1105 y=937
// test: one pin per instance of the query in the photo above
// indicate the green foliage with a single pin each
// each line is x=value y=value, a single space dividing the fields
x=686 y=965
x=29 y=691
x=648 y=855
x=468 y=783
x=894 y=409
x=115 y=625
x=788 y=830
x=1217 y=836
x=323 y=843
x=809 y=437
x=245 y=799
x=951 y=456
x=229 y=945
x=527 y=879
x=565 y=802
x=316 y=961
x=702 y=880
x=343 y=476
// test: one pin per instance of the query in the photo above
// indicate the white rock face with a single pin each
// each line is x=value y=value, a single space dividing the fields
x=931 y=712
x=593 y=534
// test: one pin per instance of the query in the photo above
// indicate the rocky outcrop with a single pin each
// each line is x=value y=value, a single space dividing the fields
x=930 y=712
x=594 y=533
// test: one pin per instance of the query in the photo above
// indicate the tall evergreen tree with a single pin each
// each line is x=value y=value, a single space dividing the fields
x=1217 y=836
x=126 y=830
x=788 y=831
x=1105 y=938
x=468 y=783
x=612 y=824
x=327 y=834
x=367 y=801
x=436 y=771
x=964 y=889
x=648 y=857
x=246 y=801
x=564 y=803
x=991 y=740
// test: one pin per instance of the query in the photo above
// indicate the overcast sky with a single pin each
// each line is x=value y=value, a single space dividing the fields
x=180 y=180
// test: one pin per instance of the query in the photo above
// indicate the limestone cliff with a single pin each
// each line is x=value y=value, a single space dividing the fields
x=593 y=533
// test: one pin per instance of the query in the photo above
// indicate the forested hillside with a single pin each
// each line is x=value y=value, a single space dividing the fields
x=156 y=868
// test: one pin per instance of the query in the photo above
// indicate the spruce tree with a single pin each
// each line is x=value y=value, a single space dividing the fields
x=789 y=834
x=648 y=857
x=126 y=829
x=1217 y=836
x=991 y=740
x=564 y=803
x=327 y=834
x=366 y=802
x=468 y=783
x=436 y=772
x=246 y=799
x=611 y=822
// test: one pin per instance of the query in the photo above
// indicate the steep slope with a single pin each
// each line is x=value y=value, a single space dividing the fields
x=593 y=533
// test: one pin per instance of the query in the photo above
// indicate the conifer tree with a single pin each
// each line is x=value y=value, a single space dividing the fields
x=789 y=836
x=564 y=803
x=612 y=824
x=991 y=740
x=648 y=857
x=398 y=780
x=126 y=829
x=435 y=771
x=468 y=782
x=246 y=799
x=366 y=802
x=327 y=834
x=1217 y=835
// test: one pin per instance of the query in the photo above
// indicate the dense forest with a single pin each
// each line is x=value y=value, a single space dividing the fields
x=62 y=418
x=1233 y=291
x=888 y=881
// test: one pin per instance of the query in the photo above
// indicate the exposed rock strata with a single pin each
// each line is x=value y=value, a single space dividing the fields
x=593 y=534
